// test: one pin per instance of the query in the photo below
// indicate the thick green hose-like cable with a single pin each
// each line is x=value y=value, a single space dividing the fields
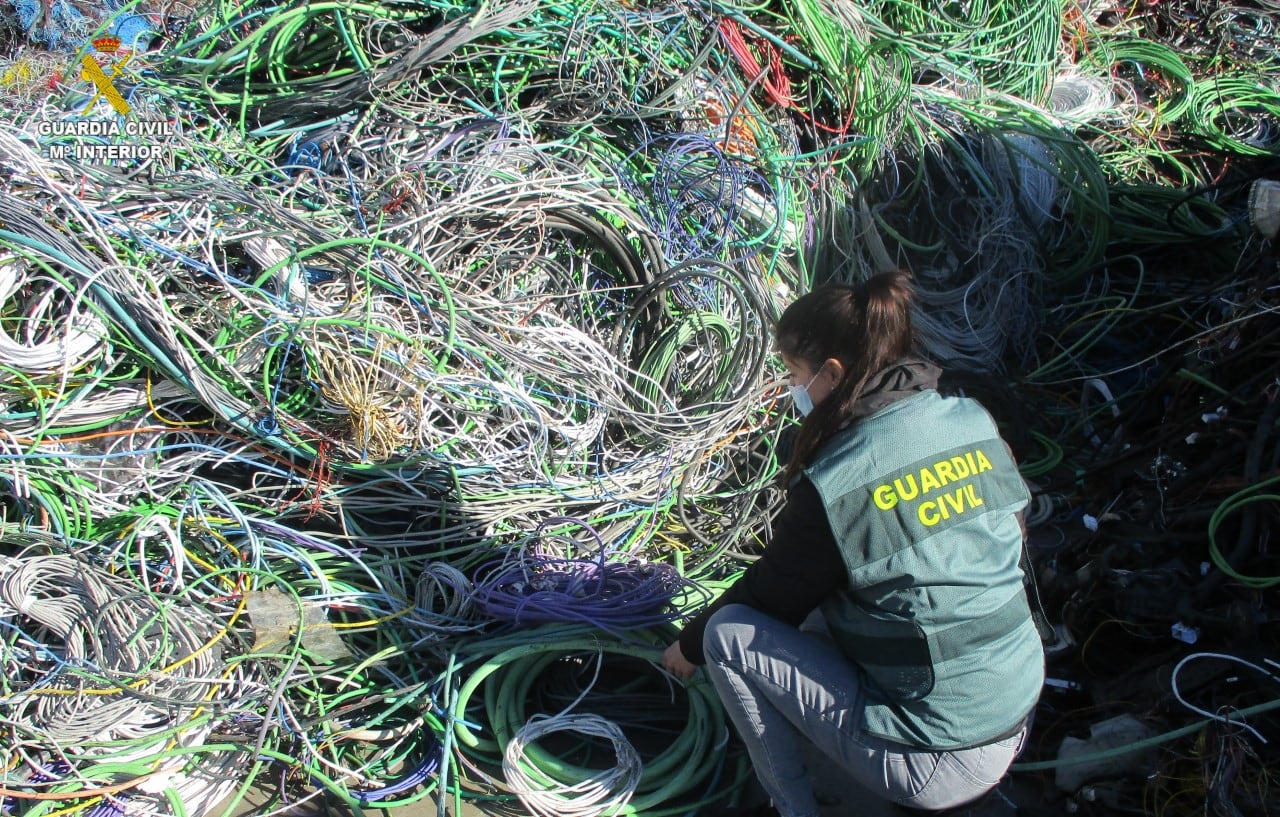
x=511 y=673
x=1145 y=743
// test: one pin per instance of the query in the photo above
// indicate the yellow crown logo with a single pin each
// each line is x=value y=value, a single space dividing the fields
x=107 y=45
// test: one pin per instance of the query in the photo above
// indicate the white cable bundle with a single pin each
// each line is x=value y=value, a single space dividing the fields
x=1078 y=97
x=102 y=405
x=606 y=792
x=125 y=664
x=52 y=344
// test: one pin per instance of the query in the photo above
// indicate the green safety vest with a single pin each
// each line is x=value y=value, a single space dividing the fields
x=922 y=497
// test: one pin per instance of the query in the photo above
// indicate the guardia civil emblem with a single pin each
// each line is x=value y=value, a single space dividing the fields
x=103 y=82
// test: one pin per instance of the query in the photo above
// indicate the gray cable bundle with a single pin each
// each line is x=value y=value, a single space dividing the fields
x=99 y=658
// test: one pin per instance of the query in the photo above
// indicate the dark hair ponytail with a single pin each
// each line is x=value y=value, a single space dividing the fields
x=866 y=326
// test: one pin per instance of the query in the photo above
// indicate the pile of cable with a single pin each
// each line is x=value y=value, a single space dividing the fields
x=358 y=295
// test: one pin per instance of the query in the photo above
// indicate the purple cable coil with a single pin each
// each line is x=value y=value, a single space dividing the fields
x=531 y=588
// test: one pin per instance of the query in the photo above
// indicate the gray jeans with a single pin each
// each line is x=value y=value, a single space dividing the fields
x=781 y=685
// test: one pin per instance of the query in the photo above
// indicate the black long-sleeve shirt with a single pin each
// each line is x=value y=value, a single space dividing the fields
x=800 y=567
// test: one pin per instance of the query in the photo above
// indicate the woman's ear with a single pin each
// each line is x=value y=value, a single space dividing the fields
x=833 y=371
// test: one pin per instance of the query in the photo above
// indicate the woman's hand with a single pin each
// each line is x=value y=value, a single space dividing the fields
x=674 y=662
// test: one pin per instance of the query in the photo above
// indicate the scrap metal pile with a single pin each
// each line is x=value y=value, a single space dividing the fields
x=382 y=382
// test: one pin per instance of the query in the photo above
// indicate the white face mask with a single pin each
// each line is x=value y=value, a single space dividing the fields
x=800 y=395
